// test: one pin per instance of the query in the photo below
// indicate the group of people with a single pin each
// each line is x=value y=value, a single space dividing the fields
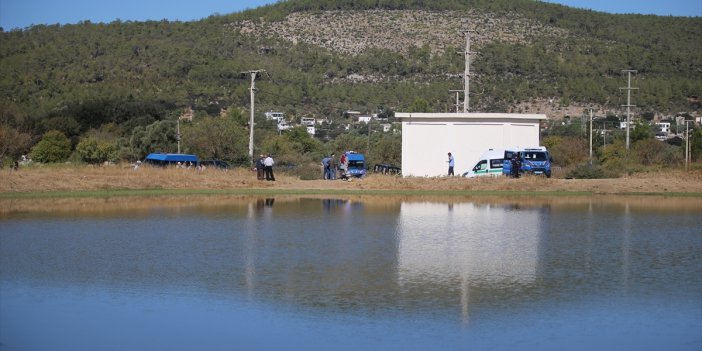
x=331 y=165
x=264 y=168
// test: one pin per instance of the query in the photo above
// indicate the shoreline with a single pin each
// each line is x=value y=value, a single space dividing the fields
x=65 y=181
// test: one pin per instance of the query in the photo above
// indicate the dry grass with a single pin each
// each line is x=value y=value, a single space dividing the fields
x=65 y=178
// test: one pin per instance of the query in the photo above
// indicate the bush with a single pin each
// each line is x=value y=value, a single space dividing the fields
x=53 y=147
x=307 y=171
x=91 y=150
x=567 y=151
x=653 y=152
x=587 y=171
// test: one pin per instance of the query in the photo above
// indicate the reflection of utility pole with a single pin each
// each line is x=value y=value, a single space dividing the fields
x=628 y=104
x=253 y=75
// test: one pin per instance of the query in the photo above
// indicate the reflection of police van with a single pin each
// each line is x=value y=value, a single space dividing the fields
x=489 y=164
x=535 y=160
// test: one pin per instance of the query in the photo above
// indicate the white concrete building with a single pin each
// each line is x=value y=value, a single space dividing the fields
x=665 y=126
x=275 y=116
x=427 y=138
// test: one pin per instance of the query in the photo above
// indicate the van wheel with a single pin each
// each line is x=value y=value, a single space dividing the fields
x=548 y=175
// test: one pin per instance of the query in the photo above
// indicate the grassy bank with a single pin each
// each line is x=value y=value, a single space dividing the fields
x=121 y=180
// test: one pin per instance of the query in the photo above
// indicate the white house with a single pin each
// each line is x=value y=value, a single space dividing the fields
x=275 y=116
x=364 y=119
x=665 y=126
x=307 y=121
x=427 y=138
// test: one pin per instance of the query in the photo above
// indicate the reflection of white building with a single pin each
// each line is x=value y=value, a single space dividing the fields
x=443 y=243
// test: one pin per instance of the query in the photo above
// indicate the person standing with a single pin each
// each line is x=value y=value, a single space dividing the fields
x=268 y=164
x=332 y=167
x=259 y=167
x=325 y=165
x=451 y=162
x=343 y=165
x=516 y=165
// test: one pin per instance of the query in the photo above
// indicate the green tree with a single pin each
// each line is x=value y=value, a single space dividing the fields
x=13 y=143
x=641 y=131
x=419 y=105
x=696 y=144
x=53 y=147
x=219 y=138
x=302 y=141
x=386 y=149
x=93 y=150
x=159 y=136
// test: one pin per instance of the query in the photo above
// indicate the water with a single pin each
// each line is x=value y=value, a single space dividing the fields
x=226 y=273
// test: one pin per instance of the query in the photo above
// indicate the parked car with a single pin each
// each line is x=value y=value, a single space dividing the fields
x=215 y=163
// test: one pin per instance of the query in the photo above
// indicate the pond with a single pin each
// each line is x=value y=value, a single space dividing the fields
x=351 y=273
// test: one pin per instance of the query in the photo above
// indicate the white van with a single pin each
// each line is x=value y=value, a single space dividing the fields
x=489 y=164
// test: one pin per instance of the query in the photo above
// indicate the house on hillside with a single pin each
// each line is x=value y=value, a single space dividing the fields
x=427 y=138
x=275 y=116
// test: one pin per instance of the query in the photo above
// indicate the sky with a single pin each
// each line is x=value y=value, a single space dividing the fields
x=24 y=13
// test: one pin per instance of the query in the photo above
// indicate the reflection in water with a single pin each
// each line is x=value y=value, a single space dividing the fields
x=498 y=261
x=467 y=244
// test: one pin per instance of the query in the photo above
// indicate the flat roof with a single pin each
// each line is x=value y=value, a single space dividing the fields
x=467 y=115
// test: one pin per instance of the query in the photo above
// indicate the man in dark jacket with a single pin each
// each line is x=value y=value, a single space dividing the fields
x=259 y=167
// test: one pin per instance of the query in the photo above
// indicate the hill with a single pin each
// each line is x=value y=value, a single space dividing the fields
x=327 y=56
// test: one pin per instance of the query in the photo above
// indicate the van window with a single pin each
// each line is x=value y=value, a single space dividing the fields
x=480 y=166
x=356 y=164
x=534 y=155
x=496 y=163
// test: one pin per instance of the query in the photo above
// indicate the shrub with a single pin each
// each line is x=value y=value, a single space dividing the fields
x=587 y=171
x=53 y=147
x=306 y=171
x=92 y=150
x=567 y=151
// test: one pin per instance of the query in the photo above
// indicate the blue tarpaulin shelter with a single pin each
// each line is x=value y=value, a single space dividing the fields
x=168 y=159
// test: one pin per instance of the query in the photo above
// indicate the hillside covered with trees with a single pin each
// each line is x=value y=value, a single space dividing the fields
x=115 y=90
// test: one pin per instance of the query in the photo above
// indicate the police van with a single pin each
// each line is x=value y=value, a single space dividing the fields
x=489 y=164
x=535 y=160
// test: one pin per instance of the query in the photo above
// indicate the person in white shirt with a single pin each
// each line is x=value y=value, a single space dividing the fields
x=268 y=164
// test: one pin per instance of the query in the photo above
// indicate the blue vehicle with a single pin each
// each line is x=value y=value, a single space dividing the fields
x=158 y=159
x=357 y=164
x=533 y=161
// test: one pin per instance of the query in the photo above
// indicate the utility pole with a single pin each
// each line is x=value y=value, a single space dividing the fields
x=458 y=104
x=628 y=103
x=466 y=78
x=687 y=144
x=178 y=134
x=590 y=137
x=253 y=74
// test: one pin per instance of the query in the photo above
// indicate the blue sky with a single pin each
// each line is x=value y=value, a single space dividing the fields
x=23 y=13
